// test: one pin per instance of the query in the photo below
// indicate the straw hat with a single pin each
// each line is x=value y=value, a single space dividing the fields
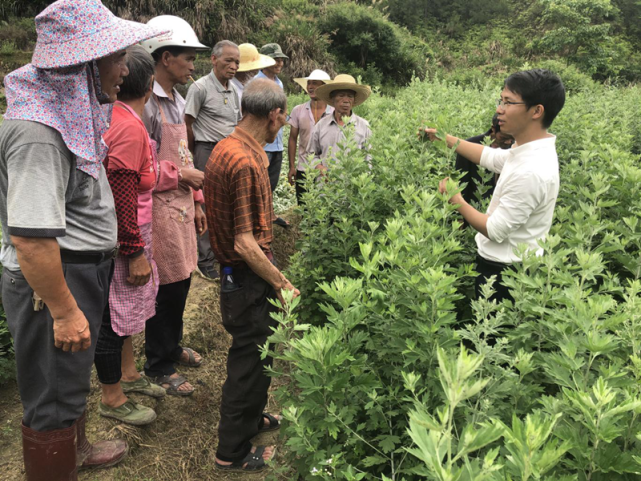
x=250 y=59
x=73 y=32
x=315 y=75
x=343 y=82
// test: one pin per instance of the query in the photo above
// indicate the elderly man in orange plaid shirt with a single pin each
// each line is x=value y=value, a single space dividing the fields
x=239 y=206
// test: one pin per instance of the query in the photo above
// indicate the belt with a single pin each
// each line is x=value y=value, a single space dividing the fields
x=87 y=257
x=206 y=143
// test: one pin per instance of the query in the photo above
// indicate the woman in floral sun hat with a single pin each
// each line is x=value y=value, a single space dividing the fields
x=59 y=226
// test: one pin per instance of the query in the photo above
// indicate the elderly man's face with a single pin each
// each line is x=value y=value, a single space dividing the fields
x=226 y=64
x=343 y=101
x=112 y=69
x=312 y=85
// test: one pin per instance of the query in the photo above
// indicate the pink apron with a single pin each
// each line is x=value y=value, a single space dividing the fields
x=131 y=305
x=174 y=230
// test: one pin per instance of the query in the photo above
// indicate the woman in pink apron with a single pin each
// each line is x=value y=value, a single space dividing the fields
x=133 y=174
x=176 y=254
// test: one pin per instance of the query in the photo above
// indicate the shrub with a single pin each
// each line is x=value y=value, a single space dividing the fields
x=364 y=37
x=546 y=387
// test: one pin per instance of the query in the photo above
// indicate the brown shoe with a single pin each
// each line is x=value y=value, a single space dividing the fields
x=50 y=455
x=102 y=454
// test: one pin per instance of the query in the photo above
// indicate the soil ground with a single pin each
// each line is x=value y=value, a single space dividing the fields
x=181 y=443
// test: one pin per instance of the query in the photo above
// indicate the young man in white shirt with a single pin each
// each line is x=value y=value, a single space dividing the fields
x=522 y=207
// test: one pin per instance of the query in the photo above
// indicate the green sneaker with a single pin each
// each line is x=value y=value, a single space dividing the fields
x=129 y=413
x=143 y=386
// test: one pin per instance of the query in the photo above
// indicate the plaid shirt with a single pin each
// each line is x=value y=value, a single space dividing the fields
x=238 y=197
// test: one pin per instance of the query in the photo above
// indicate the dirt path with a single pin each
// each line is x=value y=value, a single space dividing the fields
x=181 y=443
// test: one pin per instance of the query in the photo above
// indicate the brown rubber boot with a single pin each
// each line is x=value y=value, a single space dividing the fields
x=50 y=455
x=102 y=454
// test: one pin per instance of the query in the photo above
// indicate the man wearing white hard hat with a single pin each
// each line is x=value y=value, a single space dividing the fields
x=177 y=214
x=343 y=93
x=59 y=226
x=250 y=63
x=303 y=119
x=211 y=113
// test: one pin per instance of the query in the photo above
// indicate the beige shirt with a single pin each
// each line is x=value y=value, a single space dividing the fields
x=327 y=135
x=215 y=108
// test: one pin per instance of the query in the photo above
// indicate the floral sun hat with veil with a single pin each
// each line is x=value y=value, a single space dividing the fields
x=60 y=88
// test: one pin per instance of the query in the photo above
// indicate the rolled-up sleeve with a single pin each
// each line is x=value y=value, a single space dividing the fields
x=523 y=194
x=494 y=159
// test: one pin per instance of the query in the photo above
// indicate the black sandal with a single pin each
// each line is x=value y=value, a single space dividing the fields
x=253 y=462
x=274 y=424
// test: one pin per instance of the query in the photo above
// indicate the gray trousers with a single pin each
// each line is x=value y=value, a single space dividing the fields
x=54 y=384
x=202 y=151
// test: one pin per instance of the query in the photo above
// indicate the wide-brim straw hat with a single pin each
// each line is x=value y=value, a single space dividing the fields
x=344 y=82
x=315 y=75
x=73 y=32
x=250 y=59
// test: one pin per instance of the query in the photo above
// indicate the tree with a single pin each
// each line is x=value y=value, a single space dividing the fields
x=580 y=31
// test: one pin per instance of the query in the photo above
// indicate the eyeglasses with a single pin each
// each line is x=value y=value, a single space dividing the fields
x=507 y=103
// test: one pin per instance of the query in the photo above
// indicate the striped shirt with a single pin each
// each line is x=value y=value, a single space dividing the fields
x=238 y=196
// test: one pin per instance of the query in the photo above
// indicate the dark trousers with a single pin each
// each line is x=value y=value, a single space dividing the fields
x=246 y=316
x=108 y=359
x=487 y=269
x=54 y=384
x=275 y=163
x=300 y=187
x=164 y=331
x=202 y=151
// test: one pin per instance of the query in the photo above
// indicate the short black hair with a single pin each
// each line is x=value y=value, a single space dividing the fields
x=173 y=50
x=539 y=87
x=141 y=70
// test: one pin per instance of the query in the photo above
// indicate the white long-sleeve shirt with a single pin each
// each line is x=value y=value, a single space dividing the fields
x=522 y=207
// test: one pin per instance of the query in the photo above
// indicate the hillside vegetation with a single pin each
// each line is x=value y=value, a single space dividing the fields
x=389 y=41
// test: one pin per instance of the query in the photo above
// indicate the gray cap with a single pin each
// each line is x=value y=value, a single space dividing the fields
x=273 y=50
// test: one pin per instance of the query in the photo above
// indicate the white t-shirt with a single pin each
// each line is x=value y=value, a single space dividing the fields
x=522 y=207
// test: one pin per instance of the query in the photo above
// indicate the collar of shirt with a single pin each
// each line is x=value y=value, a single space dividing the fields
x=245 y=138
x=545 y=143
x=238 y=85
x=352 y=119
x=260 y=74
x=328 y=110
x=218 y=85
x=160 y=92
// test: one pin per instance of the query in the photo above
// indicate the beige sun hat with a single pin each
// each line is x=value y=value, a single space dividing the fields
x=343 y=82
x=250 y=59
x=315 y=75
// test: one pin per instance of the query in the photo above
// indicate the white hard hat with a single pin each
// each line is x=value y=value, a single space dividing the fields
x=180 y=34
x=315 y=75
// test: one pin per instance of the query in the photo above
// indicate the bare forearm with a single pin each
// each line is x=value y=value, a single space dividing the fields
x=470 y=151
x=247 y=247
x=39 y=260
x=189 y=120
x=291 y=151
x=478 y=220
